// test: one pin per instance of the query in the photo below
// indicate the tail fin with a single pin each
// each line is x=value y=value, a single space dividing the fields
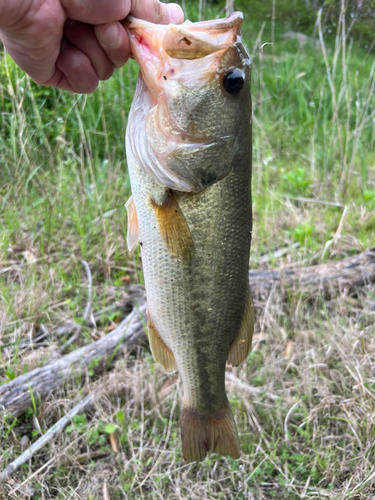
x=204 y=433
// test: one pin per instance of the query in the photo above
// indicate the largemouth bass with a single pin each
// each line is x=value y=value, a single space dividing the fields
x=188 y=144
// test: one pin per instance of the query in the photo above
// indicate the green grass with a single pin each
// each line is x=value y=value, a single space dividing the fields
x=63 y=185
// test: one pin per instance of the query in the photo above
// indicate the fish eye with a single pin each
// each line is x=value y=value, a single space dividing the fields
x=233 y=81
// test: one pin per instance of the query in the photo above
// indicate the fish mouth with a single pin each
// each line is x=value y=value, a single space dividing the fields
x=188 y=54
x=157 y=47
x=187 y=40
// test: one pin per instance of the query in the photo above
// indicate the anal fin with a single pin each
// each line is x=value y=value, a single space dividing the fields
x=162 y=354
x=133 y=230
x=173 y=227
x=241 y=345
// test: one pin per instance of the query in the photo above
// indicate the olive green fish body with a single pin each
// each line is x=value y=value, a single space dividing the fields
x=195 y=234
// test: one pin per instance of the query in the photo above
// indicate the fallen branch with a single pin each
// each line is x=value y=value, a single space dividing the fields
x=345 y=275
x=15 y=397
x=42 y=441
x=87 y=315
x=253 y=391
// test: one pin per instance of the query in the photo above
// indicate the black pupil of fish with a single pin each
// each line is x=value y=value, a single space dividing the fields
x=233 y=81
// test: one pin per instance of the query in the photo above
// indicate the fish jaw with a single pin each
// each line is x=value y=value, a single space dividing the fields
x=146 y=41
x=153 y=46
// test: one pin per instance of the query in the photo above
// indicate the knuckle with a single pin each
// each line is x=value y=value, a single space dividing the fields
x=158 y=9
x=44 y=25
x=80 y=64
x=74 y=7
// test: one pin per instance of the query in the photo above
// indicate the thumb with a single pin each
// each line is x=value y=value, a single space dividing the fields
x=157 y=12
x=104 y=11
x=96 y=11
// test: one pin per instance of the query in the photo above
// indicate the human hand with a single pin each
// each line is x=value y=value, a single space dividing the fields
x=72 y=44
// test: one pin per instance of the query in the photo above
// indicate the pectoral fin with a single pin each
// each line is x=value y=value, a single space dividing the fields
x=133 y=230
x=173 y=228
x=241 y=345
x=162 y=354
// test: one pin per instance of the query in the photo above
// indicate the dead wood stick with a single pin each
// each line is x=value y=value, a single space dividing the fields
x=277 y=254
x=43 y=440
x=344 y=275
x=347 y=274
x=15 y=397
x=87 y=315
x=254 y=391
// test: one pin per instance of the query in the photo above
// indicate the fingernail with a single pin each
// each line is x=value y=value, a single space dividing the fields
x=176 y=14
x=110 y=35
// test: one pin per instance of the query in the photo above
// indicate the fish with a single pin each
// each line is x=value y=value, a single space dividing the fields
x=189 y=152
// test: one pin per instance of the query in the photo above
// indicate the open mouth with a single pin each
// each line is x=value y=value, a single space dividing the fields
x=184 y=41
x=154 y=45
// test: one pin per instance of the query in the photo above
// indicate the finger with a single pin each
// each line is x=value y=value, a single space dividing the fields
x=82 y=36
x=104 y=11
x=97 y=11
x=59 y=81
x=114 y=41
x=157 y=12
x=77 y=69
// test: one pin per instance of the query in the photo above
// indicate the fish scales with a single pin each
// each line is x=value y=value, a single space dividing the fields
x=189 y=159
